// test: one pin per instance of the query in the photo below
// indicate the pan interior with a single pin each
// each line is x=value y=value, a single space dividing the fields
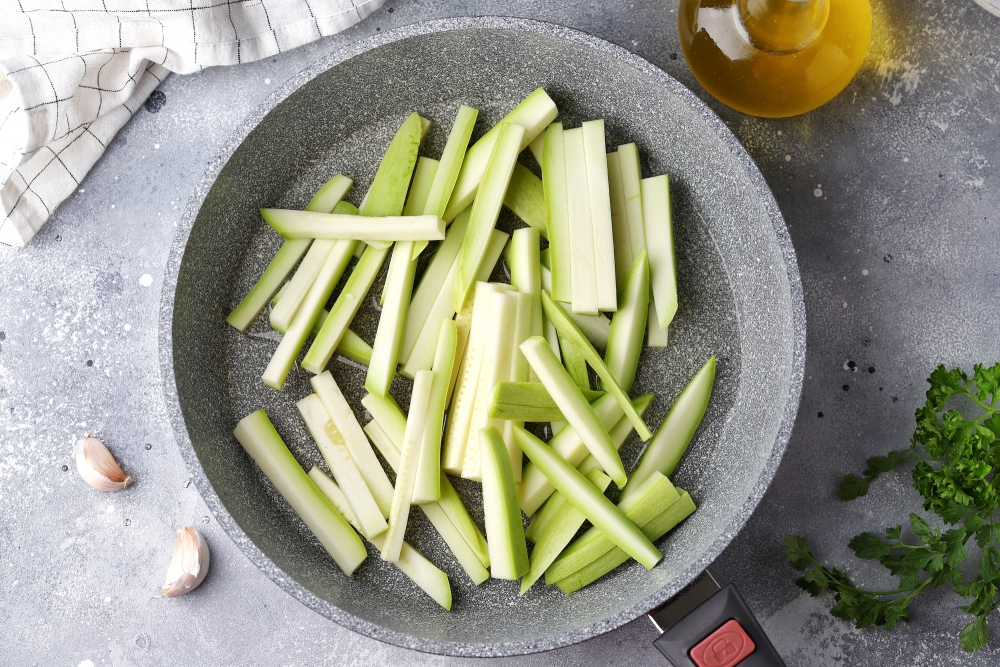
x=735 y=302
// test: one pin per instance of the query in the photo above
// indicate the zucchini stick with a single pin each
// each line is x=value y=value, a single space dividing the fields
x=651 y=498
x=354 y=438
x=582 y=262
x=330 y=194
x=416 y=201
x=557 y=523
x=332 y=446
x=256 y=434
x=519 y=371
x=344 y=309
x=450 y=503
x=574 y=363
x=631 y=177
x=526 y=199
x=658 y=222
x=619 y=220
x=387 y=195
x=655 y=337
x=451 y=161
x=534 y=114
x=525 y=273
x=392 y=320
x=427 y=486
x=497 y=353
x=294 y=291
x=566 y=327
x=529 y=402
x=554 y=187
x=352 y=346
x=411 y=562
x=302 y=324
x=448 y=515
x=287 y=257
x=681 y=509
x=504 y=530
x=464 y=397
x=629 y=325
x=537 y=147
x=443 y=309
x=677 y=429
x=485 y=210
x=574 y=406
x=409 y=457
x=600 y=214
x=589 y=501
x=535 y=487
x=306 y=224
x=596 y=328
x=423 y=177
x=430 y=286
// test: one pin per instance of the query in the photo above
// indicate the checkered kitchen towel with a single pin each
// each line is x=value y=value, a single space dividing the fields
x=72 y=73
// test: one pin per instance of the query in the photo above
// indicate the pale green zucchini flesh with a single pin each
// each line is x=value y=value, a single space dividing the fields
x=409 y=456
x=354 y=438
x=332 y=446
x=526 y=199
x=485 y=210
x=344 y=309
x=534 y=114
x=629 y=325
x=651 y=498
x=566 y=327
x=658 y=222
x=504 y=530
x=427 y=486
x=600 y=214
x=591 y=502
x=574 y=406
x=305 y=318
x=557 y=523
x=310 y=225
x=411 y=562
x=529 y=402
x=582 y=261
x=676 y=430
x=256 y=434
x=451 y=161
x=682 y=508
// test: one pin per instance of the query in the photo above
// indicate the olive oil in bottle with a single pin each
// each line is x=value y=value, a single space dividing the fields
x=774 y=58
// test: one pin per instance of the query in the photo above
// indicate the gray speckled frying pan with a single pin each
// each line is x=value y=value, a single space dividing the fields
x=740 y=298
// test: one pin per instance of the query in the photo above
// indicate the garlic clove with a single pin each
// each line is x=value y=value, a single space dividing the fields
x=189 y=565
x=98 y=467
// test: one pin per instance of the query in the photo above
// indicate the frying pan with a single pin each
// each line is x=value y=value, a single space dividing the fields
x=740 y=298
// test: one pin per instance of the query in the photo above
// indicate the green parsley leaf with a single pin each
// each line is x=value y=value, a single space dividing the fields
x=957 y=457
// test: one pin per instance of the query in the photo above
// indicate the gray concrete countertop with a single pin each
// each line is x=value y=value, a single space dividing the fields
x=890 y=196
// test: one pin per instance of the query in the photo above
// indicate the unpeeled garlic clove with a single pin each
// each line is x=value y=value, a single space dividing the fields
x=189 y=565
x=98 y=467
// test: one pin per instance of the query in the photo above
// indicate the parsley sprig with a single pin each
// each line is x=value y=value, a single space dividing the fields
x=957 y=454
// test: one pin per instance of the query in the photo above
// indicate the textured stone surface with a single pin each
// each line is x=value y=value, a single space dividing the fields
x=903 y=160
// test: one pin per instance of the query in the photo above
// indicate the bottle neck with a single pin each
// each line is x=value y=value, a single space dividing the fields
x=783 y=26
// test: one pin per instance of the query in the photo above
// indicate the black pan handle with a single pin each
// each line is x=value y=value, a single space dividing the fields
x=709 y=626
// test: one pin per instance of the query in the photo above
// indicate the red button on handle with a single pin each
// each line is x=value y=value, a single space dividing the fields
x=726 y=647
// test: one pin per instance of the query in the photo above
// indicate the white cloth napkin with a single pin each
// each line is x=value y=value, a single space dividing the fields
x=72 y=73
